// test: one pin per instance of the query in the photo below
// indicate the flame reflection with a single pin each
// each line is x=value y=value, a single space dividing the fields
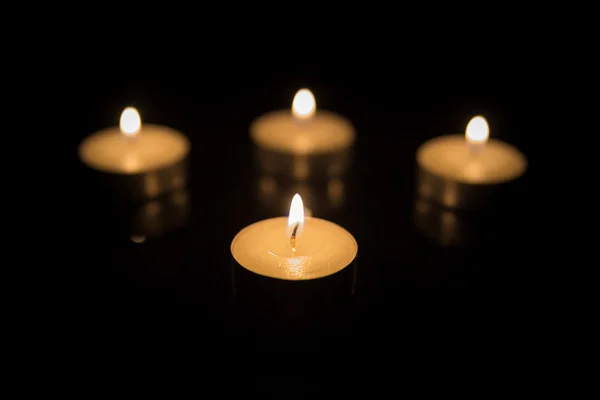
x=159 y=217
x=446 y=227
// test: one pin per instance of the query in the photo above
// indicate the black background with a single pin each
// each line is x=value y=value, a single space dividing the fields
x=412 y=294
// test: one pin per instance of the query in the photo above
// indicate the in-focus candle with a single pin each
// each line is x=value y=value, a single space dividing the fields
x=294 y=248
x=449 y=227
x=293 y=270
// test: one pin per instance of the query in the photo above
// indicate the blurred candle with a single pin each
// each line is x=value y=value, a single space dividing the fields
x=302 y=130
x=145 y=160
x=294 y=248
x=465 y=171
x=132 y=148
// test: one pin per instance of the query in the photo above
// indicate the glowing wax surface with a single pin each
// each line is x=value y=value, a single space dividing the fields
x=281 y=131
x=323 y=249
x=153 y=148
x=454 y=158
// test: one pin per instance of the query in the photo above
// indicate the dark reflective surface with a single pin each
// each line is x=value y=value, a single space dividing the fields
x=448 y=227
x=418 y=273
x=304 y=167
x=320 y=198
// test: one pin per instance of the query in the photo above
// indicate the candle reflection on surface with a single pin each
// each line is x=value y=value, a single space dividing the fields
x=138 y=239
x=158 y=217
x=303 y=167
x=320 y=199
x=300 y=168
x=335 y=192
x=446 y=227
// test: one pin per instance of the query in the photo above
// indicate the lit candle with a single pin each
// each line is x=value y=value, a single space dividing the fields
x=302 y=130
x=147 y=159
x=294 y=248
x=303 y=142
x=465 y=171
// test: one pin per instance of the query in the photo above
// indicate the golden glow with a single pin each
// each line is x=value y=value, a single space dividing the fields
x=304 y=105
x=130 y=123
x=138 y=238
x=477 y=131
x=296 y=216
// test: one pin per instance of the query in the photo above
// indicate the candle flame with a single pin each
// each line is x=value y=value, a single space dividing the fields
x=304 y=105
x=477 y=131
x=130 y=123
x=296 y=216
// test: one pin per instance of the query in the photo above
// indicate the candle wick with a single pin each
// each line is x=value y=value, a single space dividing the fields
x=293 y=236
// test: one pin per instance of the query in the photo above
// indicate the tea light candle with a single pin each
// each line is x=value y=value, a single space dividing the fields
x=294 y=248
x=467 y=171
x=302 y=130
x=145 y=160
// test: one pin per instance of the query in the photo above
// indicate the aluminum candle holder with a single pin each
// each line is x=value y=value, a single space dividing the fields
x=302 y=143
x=470 y=171
x=134 y=163
x=297 y=262
x=159 y=217
x=291 y=301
